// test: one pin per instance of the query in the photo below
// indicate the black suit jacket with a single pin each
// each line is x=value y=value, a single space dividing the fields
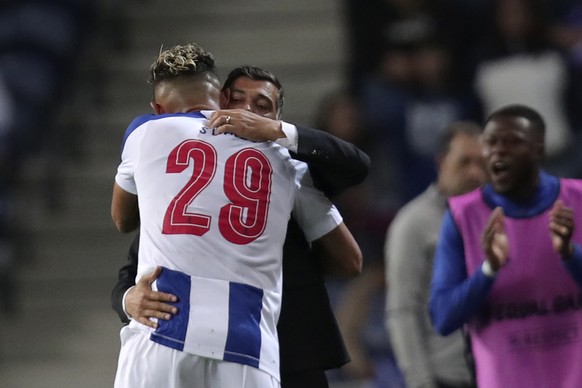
x=308 y=333
x=334 y=164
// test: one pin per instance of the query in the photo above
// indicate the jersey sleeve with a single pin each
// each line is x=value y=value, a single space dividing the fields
x=126 y=169
x=313 y=211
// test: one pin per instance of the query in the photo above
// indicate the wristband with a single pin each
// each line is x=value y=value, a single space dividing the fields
x=487 y=270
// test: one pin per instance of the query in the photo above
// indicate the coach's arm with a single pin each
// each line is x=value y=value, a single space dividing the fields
x=138 y=301
x=335 y=164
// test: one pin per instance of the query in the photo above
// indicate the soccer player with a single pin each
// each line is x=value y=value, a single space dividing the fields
x=223 y=198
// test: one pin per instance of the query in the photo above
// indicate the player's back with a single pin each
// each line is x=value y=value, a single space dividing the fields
x=214 y=206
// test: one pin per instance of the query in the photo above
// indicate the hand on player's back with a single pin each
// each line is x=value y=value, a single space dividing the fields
x=142 y=303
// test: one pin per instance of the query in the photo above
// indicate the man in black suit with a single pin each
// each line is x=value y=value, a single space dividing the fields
x=310 y=341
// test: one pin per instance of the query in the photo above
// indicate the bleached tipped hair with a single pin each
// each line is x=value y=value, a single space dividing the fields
x=188 y=59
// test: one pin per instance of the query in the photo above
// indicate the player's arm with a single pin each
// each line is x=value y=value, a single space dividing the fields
x=323 y=227
x=335 y=164
x=339 y=253
x=124 y=210
x=124 y=204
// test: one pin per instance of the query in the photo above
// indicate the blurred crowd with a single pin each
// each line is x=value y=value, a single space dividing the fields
x=414 y=67
x=40 y=46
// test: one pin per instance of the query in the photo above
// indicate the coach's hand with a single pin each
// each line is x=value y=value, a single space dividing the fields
x=141 y=303
x=245 y=124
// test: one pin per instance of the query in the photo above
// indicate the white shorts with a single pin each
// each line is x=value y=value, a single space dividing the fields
x=145 y=364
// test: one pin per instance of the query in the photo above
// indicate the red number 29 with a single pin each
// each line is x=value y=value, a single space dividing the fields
x=247 y=184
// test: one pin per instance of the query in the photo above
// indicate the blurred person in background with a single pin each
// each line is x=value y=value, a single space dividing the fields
x=382 y=102
x=372 y=23
x=365 y=207
x=566 y=32
x=519 y=62
x=40 y=46
x=427 y=359
x=406 y=120
x=41 y=42
x=358 y=302
x=435 y=101
x=8 y=260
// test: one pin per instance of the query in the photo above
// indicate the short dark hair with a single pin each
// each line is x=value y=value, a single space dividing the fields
x=469 y=128
x=257 y=74
x=181 y=60
x=517 y=110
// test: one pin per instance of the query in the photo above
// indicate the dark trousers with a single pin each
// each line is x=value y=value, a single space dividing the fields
x=305 y=379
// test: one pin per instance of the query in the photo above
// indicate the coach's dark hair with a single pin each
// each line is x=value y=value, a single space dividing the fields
x=517 y=110
x=257 y=74
x=469 y=128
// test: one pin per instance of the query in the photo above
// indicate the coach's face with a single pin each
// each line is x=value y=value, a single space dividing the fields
x=259 y=97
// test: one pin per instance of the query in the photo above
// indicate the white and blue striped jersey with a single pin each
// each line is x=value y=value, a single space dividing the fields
x=214 y=211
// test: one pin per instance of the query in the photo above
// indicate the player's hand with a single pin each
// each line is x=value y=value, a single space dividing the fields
x=141 y=303
x=494 y=240
x=245 y=124
x=561 y=225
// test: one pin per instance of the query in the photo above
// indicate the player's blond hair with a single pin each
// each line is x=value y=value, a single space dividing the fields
x=188 y=59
